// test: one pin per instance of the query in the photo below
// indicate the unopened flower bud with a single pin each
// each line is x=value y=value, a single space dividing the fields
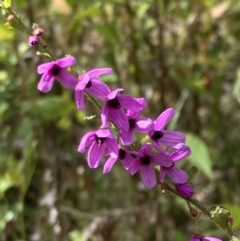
x=38 y=32
x=10 y=18
x=33 y=40
x=184 y=190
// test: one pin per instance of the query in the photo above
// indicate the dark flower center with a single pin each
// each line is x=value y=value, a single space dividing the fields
x=157 y=135
x=121 y=154
x=89 y=84
x=114 y=103
x=131 y=123
x=55 y=70
x=99 y=140
x=173 y=164
x=145 y=160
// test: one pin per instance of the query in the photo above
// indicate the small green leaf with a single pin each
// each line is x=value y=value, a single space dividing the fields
x=8 y=25
x=192 y=174
x=235 y=210
x=7 y=3
x=200 y=156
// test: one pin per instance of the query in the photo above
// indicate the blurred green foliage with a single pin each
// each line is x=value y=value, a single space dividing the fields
x=159 y=50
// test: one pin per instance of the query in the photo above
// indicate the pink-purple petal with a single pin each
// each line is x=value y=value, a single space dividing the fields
x=211 y=239
x=164 y=119
x=66 y=61
x=46 y=82
x=104 y=116
x=86 y=140
x=146 y=149
x=127 y=137
x=148 y=176
x=81 y=85
x=160 y=159
x=68 y=80
x=103 y=133
x=134 y=167
x=180 y=154
x=127 y=160
x=144 y=124
x=172 y=138
x=177 y=175
x=128 y=102
x=98 y=72
x=202 y=238
x=98 y=89
x=43 y=68
x=119 y=118
x=79 y=99
x=109 y=164
x=112 y=147
x=95 y=155
x=113 y=94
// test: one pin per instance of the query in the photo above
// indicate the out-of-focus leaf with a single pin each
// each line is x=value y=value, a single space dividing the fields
x=61 y=6
x=109 y=32
x=5 y=33
x=236 y=87
x=49 y=108
x=7 y=3
x=200 y=156
x=75 y=235
x=26 y=128
x=235 y=210
x=91 y=11
x=143 y=9
x=3 y=107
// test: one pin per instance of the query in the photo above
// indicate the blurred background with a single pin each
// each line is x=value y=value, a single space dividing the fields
x=182 y=54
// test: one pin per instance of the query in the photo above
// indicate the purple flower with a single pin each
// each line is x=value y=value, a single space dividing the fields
x=33 y=40
x=101 y=142
x=126 y=157
x=203 y=238
x=56 y=70
x=145 y=162
x=168 y=138
x=90 y=83
x=114 y=109
x=136 y=123
x=185 y=190
x=175 y=173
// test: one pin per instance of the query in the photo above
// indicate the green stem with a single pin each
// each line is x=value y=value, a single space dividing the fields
x=21 y=24
x=202 y=208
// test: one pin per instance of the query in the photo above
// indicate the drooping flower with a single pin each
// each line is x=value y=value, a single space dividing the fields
x=145 y=162
x=175 y=173
x=203 y=238
x=136 y=123
x=56 y=70
x=167 y=138
x=101 y=142
x=114 y=107
x=90 y=82
x=185 y=190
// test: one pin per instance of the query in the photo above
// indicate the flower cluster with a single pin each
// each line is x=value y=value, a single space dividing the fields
x=163 y=148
